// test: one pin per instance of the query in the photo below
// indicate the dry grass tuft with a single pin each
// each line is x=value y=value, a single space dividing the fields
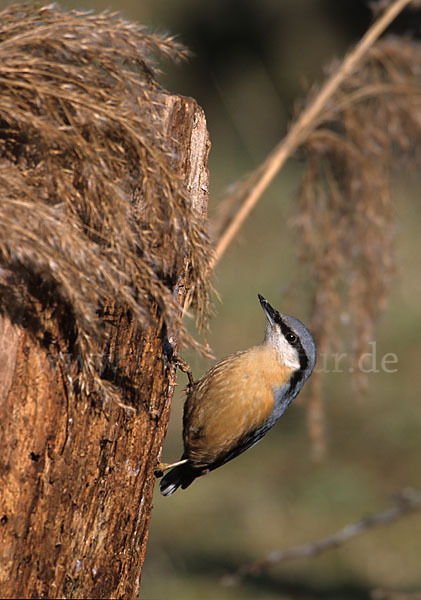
x=80 y=145
x=369 y=129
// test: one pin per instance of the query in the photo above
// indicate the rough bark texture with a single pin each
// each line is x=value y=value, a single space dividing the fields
x=76 y=476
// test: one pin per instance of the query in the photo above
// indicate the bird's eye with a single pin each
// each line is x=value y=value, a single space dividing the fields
x=291 y=338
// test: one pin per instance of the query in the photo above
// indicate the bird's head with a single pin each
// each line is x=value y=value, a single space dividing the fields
x=291 y=339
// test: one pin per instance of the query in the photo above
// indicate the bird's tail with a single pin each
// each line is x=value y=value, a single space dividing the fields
x=183 y=476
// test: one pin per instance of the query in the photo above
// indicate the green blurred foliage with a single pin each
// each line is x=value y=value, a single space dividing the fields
x=253 y=60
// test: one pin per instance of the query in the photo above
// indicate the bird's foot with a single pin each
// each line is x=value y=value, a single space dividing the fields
x=183 y=366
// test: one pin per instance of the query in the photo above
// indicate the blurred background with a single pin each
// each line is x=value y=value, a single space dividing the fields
x=253 y=59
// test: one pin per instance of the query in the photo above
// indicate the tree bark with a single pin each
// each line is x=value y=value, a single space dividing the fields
x=77 y=476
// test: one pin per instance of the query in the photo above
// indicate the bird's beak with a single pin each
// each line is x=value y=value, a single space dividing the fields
x=270 y=312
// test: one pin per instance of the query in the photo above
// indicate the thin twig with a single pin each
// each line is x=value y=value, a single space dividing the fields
x=406 y=501
x=302 y=127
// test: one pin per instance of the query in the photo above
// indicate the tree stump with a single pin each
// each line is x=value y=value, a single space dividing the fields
x=76 y=475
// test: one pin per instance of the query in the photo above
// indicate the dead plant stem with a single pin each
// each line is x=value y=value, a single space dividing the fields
x=406 y=501
x=307 y=121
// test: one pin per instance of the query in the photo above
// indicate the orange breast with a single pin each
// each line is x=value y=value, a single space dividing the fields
x=232 y=399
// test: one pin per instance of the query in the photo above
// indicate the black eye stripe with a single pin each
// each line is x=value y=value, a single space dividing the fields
x=303 y=358
x=297 y=344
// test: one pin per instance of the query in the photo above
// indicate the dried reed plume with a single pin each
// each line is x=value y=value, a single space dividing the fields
x=243 y=195
x=80 y=145
x=345 y=223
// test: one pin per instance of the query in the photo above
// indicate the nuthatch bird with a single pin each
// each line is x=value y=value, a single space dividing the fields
x=232 y=406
